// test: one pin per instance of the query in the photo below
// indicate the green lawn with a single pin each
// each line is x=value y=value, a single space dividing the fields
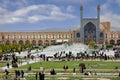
x=2 y=64
x=69 y=79
x=72 y=64
x=56 y=79
x=115 y=79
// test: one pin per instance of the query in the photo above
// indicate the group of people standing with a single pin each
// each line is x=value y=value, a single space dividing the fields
x=19 y=74
x=39 y=76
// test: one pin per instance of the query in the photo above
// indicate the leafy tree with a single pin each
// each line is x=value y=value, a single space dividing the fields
x=92 y=44
x=109 y=46
x=13 y=48
x=82 y=67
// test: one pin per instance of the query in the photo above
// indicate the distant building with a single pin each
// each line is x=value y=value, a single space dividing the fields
x=91 y=30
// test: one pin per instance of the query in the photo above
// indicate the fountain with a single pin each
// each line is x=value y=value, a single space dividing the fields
x=74 y=48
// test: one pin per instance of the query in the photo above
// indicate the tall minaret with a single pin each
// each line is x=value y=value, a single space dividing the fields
x=81 y=12
x=98 y=28
x=98 y=12
x=81 y=27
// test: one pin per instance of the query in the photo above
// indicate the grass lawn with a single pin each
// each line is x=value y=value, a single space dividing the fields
x=72 y=64
x=2 y=64
x=56 y=79
x=70 y=79
x=115 y=79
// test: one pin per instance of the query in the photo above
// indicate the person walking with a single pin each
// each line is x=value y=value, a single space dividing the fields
x=40 y=78
x=16 y=74
x=8 y=65
x=36 y=76
x=22 y=73
x=6 y=72
x=73 y=70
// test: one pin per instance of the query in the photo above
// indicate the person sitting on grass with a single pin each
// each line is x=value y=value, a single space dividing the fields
x=52 y=72
x=29 y=68
x=65 y=68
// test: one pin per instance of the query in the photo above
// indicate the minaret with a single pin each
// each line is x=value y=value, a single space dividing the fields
x=81 y=27
x=98 y=28
x=98 y=12
x=81 y=12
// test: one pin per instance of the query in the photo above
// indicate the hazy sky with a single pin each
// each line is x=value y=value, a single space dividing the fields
x=41 y=15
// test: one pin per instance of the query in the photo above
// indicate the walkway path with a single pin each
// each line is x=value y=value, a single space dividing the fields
x=24 y=63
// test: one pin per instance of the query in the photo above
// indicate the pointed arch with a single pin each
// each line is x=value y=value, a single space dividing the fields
x=78 y=35
x=46 y=42
x=89 y=32
x=40 y=42
x=112 y=42
x=118 y=42
x=21 y=42
x=14 y=42
x=33 y=42
x=27 y=42
x=7 y=42
x=101 y=34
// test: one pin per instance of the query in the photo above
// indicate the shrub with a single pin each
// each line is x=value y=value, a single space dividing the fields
x=44 y=46
x=92 y=44
x=14 y=65
x=109 y=46
x=82 y=67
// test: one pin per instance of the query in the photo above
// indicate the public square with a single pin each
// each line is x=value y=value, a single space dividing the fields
x=100 y=63
x=59 y=40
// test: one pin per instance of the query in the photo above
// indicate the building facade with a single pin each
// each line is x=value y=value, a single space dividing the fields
x=91 y=30
x=35 y=38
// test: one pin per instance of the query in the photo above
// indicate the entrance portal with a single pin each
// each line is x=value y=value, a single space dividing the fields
x=89 y=32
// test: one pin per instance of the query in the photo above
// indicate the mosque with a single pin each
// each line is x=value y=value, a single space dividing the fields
x=91 y=29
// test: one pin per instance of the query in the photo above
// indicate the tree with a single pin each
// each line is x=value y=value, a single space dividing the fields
x=14 y=65
x=109 y=46
x=0 y=50
x=82 y=67
x=92 y=44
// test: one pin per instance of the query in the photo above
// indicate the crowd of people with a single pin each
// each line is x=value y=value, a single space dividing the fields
x=99 y=54
x=39 y=76
x=13 y=59
x=5 y=57
x=19 y=74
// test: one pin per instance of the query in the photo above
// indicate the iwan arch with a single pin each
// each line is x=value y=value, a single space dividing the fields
x=91 y=29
